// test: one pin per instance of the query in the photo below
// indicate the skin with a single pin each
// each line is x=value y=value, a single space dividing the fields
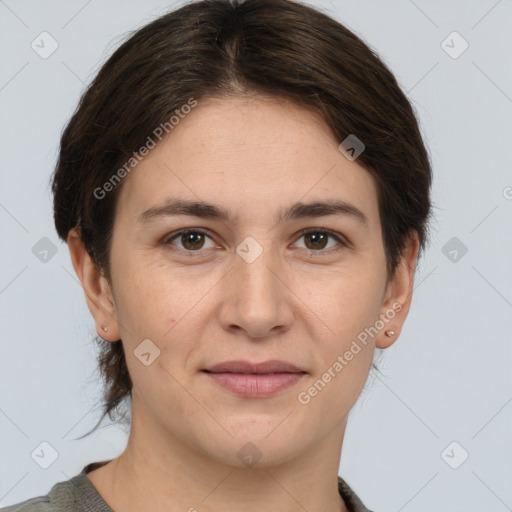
x=253 y=156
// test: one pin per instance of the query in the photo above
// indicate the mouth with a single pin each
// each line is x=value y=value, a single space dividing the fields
x=255 y=380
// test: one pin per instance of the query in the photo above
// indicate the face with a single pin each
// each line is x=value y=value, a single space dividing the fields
x=253 y=277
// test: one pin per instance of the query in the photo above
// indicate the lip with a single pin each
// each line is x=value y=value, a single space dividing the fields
x=271 y=366
x=255 y=380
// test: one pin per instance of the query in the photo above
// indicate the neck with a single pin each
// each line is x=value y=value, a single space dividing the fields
x=158 y=469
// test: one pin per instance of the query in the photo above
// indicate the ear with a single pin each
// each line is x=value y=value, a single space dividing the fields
x=398 y=294
x=97 y=290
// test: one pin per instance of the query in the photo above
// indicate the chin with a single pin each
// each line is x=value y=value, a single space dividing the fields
x=256 y=446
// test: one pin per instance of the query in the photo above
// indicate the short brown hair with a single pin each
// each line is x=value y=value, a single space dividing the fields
x=280 y=48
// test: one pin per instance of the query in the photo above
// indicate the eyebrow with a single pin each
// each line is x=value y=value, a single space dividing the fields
x=201 y=209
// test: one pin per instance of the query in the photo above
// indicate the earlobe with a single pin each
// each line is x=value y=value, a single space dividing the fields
x=399 y=294
x=97 y=290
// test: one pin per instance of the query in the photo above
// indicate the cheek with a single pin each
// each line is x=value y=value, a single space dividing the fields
x=347 y=299
x=161 y=303
x=138 y=291
x=348 y=305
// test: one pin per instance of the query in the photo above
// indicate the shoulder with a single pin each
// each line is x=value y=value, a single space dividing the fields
x=62 y=496
x=351 y=499
x=42 y=503
x=39 y=504
x=77 y=493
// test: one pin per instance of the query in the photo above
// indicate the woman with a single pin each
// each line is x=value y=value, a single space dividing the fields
x=245 y=194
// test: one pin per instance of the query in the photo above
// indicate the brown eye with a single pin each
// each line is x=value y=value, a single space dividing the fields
x=192 y=240
x=316 y=240
x=188 y=240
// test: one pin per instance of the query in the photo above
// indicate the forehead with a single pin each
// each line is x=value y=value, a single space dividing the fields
x=253 y=156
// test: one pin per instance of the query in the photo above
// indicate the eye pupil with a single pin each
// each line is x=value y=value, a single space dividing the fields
x=316 y=238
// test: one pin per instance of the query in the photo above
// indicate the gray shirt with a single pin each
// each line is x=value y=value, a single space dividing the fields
x=79 y=494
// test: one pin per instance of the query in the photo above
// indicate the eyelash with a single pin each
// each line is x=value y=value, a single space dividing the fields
x=167 y=241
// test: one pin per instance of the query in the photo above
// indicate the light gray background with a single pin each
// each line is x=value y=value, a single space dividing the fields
x=448 y=377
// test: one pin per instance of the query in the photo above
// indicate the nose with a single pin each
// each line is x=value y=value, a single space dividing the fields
x=256 y=299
